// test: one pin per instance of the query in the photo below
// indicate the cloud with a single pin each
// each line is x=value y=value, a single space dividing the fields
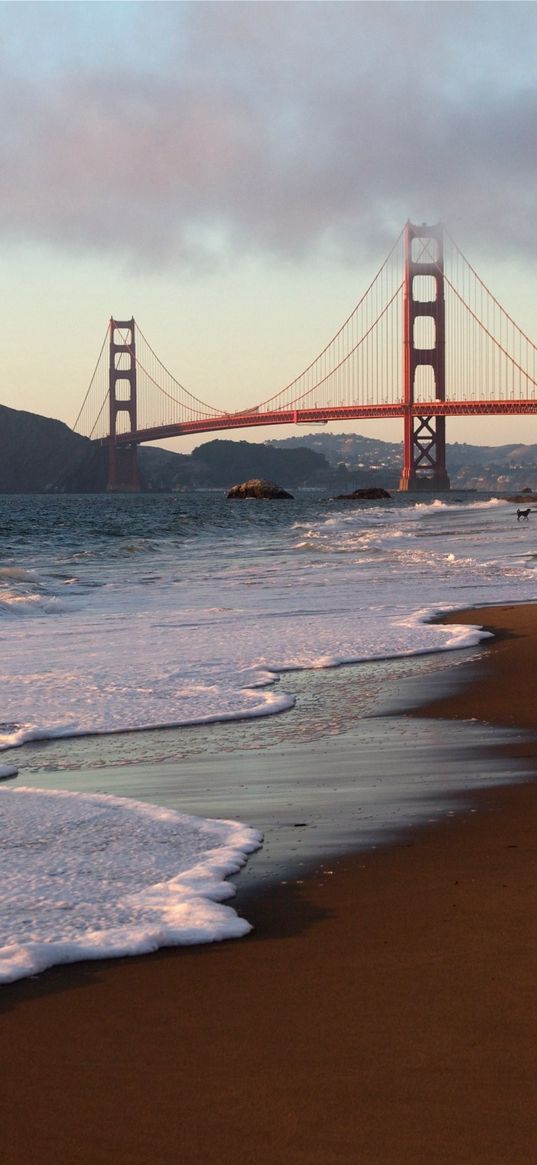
x=193 y=133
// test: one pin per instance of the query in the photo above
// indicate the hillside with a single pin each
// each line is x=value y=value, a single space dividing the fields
x=41 y=455
x=38 y=454
x=227 y=462
x=486 y=467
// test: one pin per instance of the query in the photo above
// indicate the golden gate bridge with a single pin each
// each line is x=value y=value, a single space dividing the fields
x=427 y=340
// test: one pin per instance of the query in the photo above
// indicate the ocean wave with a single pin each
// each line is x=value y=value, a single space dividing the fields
x=90 y=876
x=7 y=772
x=221 y=622
x=131 y=715
x=440 y=504
x=16 y=604
x=25 y=592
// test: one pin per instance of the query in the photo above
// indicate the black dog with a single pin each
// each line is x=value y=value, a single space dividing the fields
x=523 y=514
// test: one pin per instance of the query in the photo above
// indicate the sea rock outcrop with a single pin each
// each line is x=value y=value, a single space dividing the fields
x=371 y=495
x=257 y=488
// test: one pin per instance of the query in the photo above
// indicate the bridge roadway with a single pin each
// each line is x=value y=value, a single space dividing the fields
x=251 y=418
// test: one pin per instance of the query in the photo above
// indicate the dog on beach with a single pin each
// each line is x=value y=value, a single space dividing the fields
x=523 y=514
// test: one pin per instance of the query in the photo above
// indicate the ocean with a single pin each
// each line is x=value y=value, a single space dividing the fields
x=164 y=656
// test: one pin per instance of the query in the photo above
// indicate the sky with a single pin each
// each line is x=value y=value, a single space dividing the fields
x=234 y=173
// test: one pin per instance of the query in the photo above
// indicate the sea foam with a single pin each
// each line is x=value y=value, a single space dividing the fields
x=91 y=876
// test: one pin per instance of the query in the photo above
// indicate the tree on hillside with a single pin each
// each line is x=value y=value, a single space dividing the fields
x=229 y=462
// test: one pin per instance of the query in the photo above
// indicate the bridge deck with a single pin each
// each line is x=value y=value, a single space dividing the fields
x=252 y=419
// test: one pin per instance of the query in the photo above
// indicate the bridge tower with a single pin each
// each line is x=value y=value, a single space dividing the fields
x=123 y=473
x=424 y=461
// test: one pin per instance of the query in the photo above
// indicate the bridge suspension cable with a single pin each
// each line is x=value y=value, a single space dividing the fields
x=191 y=405
x=97 y=391
x=490 y=362
x=359 y=364
x=488 y=356
x=181 y=405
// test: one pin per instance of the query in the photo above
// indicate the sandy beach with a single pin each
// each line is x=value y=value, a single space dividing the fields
x=382 y=1011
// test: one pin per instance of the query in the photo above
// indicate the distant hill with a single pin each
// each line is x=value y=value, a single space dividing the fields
x=485 y=467
x=41 y=455
x=227 y=463
x=38 y=454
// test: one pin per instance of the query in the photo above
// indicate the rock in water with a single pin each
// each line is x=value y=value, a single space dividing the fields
x=372 y=495
x=257 y=488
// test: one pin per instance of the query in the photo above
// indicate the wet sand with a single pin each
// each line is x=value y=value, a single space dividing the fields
x=382 y=1012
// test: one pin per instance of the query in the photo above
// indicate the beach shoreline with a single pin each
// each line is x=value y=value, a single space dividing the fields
x=345 y=770
x=381 y=1011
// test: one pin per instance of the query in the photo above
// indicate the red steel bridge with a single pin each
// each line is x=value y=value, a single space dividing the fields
x=426 y=341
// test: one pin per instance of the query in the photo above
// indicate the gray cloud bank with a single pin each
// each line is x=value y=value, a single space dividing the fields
x=190 y=133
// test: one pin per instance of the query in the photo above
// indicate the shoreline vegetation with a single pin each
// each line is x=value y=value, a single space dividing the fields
x=381 y=1011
